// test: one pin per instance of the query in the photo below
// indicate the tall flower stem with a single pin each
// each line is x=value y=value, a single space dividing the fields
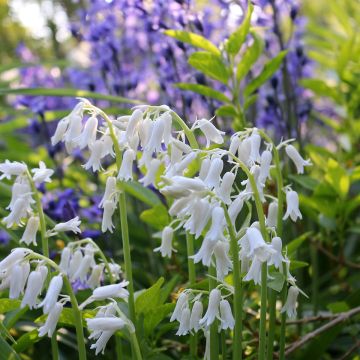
x=192 y=281
x=279 y=228
x=214 y=336
x=261 y=218
x=283 y=320
x=123 y=218
x=44 y=238
x=75 y=306
x=54 y=346
x=238 y=289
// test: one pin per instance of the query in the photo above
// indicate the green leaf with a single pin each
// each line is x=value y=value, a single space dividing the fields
x=7 y=305
x=143 y=194
x=6 y=351
x=337 y=177
x=237 y=38
x=277 y=281
x=210 y=65
x=269 y=69
x=338 y=307
x=157 y=216
x=321 y=88
x=203 y=90
x=295 y=264
x=194 y=40
x=226 y=111
x=66 y=92
x=155 y=316
x=305 y=181
x=26 y=340
x=250 y=56
x=250 y=101
x=296 y=243
x=149 y=298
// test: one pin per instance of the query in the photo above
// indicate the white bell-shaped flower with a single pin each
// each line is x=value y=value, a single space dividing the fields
x=205 y=252
x=227 y=320
x=125 y=172
x=156 y=137
x=299 y=162
x=245 y=151
x=254 y=272
x=200 y=213
x=292 y=209
x=223 y=262
x=72 y=132
x=109 y=209
x=212 y=311
x=166 y=247
x=29 y=235
x=71 y=225
x=212 y=134
x=271 y=219
x=75 y=262
x=234 y=145
x=34 y=286
x=133 y=124
x=258 y=247
x=83 y=269
x=255 y=140
x=52 y=294
x=18 y=212
x=18 y=276
x=96 y=154
x=88 y=135
x=145 y=129
x=167 y=118
x=179 y=168
x=95 y=277
x=235 y=207
x=60 y=131
x=276 y=258
x=51 y=321
x=218 y=223
x=110 y=191
x=65 y=260
x=212 y=179
x=107 y=145
x=42 y=173
x=150 y=177
x=181 y=303
x=111 y=291
x=225 y=189
x=101 y=341
x=265 y=164
x=11 y=168
x=196 y=315
x=290 y=304
x=19 y=190
x=204 y=168
x=15 y=256
x=184 y=326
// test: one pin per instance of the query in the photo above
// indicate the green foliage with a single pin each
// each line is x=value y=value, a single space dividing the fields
x=203 y=90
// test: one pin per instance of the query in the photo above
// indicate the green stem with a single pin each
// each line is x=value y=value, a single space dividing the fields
x=192 y=281
x=54 y=346
x=135 y=346
x=262 y=334
x=223 y=345
x=118 y=347
x=238 y=289
x=189 y=134
x=283 y=320
x=272 y=323
x=214 y=336
x=44 y=238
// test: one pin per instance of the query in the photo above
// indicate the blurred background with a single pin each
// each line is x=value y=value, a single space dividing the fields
x=115 y=52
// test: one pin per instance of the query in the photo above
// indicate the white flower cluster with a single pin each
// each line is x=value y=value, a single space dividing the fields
x=204 y=201
x=192 y=320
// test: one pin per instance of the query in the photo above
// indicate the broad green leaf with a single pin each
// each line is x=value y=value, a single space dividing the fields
x=269 y=69
x=338 y=307
x=149 y=298
x=237 y=38
x=296 y=243
x=155 y=316
x=305 y=181
x=7 y=305
x=66 y=92
x=194 y=40
x=203 y=90
x=143 y=194
x=27 y=340
x=250 y=56
x=226 y=111
x=6 y=351
x=276 y=281
x=157 y=216
x=295 y=264
x=337 y=177
x=210 y=65
x=321 y=88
